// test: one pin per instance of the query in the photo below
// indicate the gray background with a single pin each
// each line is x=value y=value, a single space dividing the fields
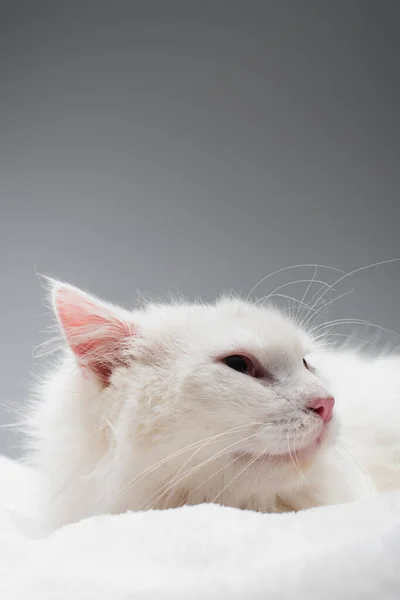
x=193 y=147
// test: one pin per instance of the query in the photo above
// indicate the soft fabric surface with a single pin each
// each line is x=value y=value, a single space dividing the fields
x=347 y=552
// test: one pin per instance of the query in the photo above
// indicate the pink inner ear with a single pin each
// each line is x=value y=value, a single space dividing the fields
x=92 y=329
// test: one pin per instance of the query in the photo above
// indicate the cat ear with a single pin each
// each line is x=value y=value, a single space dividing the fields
x=95 y=331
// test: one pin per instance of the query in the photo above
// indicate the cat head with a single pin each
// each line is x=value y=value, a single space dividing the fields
x=194 y=388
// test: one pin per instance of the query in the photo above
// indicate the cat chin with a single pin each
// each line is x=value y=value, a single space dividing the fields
x=301 y=456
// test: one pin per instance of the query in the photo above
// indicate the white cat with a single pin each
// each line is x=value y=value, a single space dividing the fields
x=230 y=403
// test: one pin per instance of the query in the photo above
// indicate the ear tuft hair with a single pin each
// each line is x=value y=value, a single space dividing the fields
x=95 y=331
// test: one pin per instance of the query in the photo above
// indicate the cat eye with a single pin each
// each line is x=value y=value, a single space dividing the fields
x=305 y=363
x=241 y=364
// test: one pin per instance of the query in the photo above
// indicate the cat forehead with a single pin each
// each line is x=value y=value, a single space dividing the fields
x=226 y=318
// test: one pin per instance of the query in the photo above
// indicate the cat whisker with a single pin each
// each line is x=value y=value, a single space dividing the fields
x=354 y=272
x=285 y=296
x=308 y=319
x=316 y=298
x=287 y=269
x=344 y=335
x=176 y=481
x=211 y=476
x=247 y=466
x=195 y=445
x=295 y=460
x=283 y=285
x=199 y=450
x=349 y=321
x=303 y=299
x=222 y=469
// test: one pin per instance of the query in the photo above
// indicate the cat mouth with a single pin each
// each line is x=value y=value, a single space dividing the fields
x=304 y=453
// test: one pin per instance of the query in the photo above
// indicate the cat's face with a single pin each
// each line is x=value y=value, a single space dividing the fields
x=202 y=388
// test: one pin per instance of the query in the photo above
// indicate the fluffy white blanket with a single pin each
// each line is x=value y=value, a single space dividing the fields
x=347 y=552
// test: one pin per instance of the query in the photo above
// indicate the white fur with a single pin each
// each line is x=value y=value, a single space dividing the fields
x=163 y=430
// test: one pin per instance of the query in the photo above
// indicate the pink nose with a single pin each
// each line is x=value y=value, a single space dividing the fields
x=323 y=407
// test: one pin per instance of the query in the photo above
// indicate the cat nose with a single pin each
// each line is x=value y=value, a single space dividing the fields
x=323 y=407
